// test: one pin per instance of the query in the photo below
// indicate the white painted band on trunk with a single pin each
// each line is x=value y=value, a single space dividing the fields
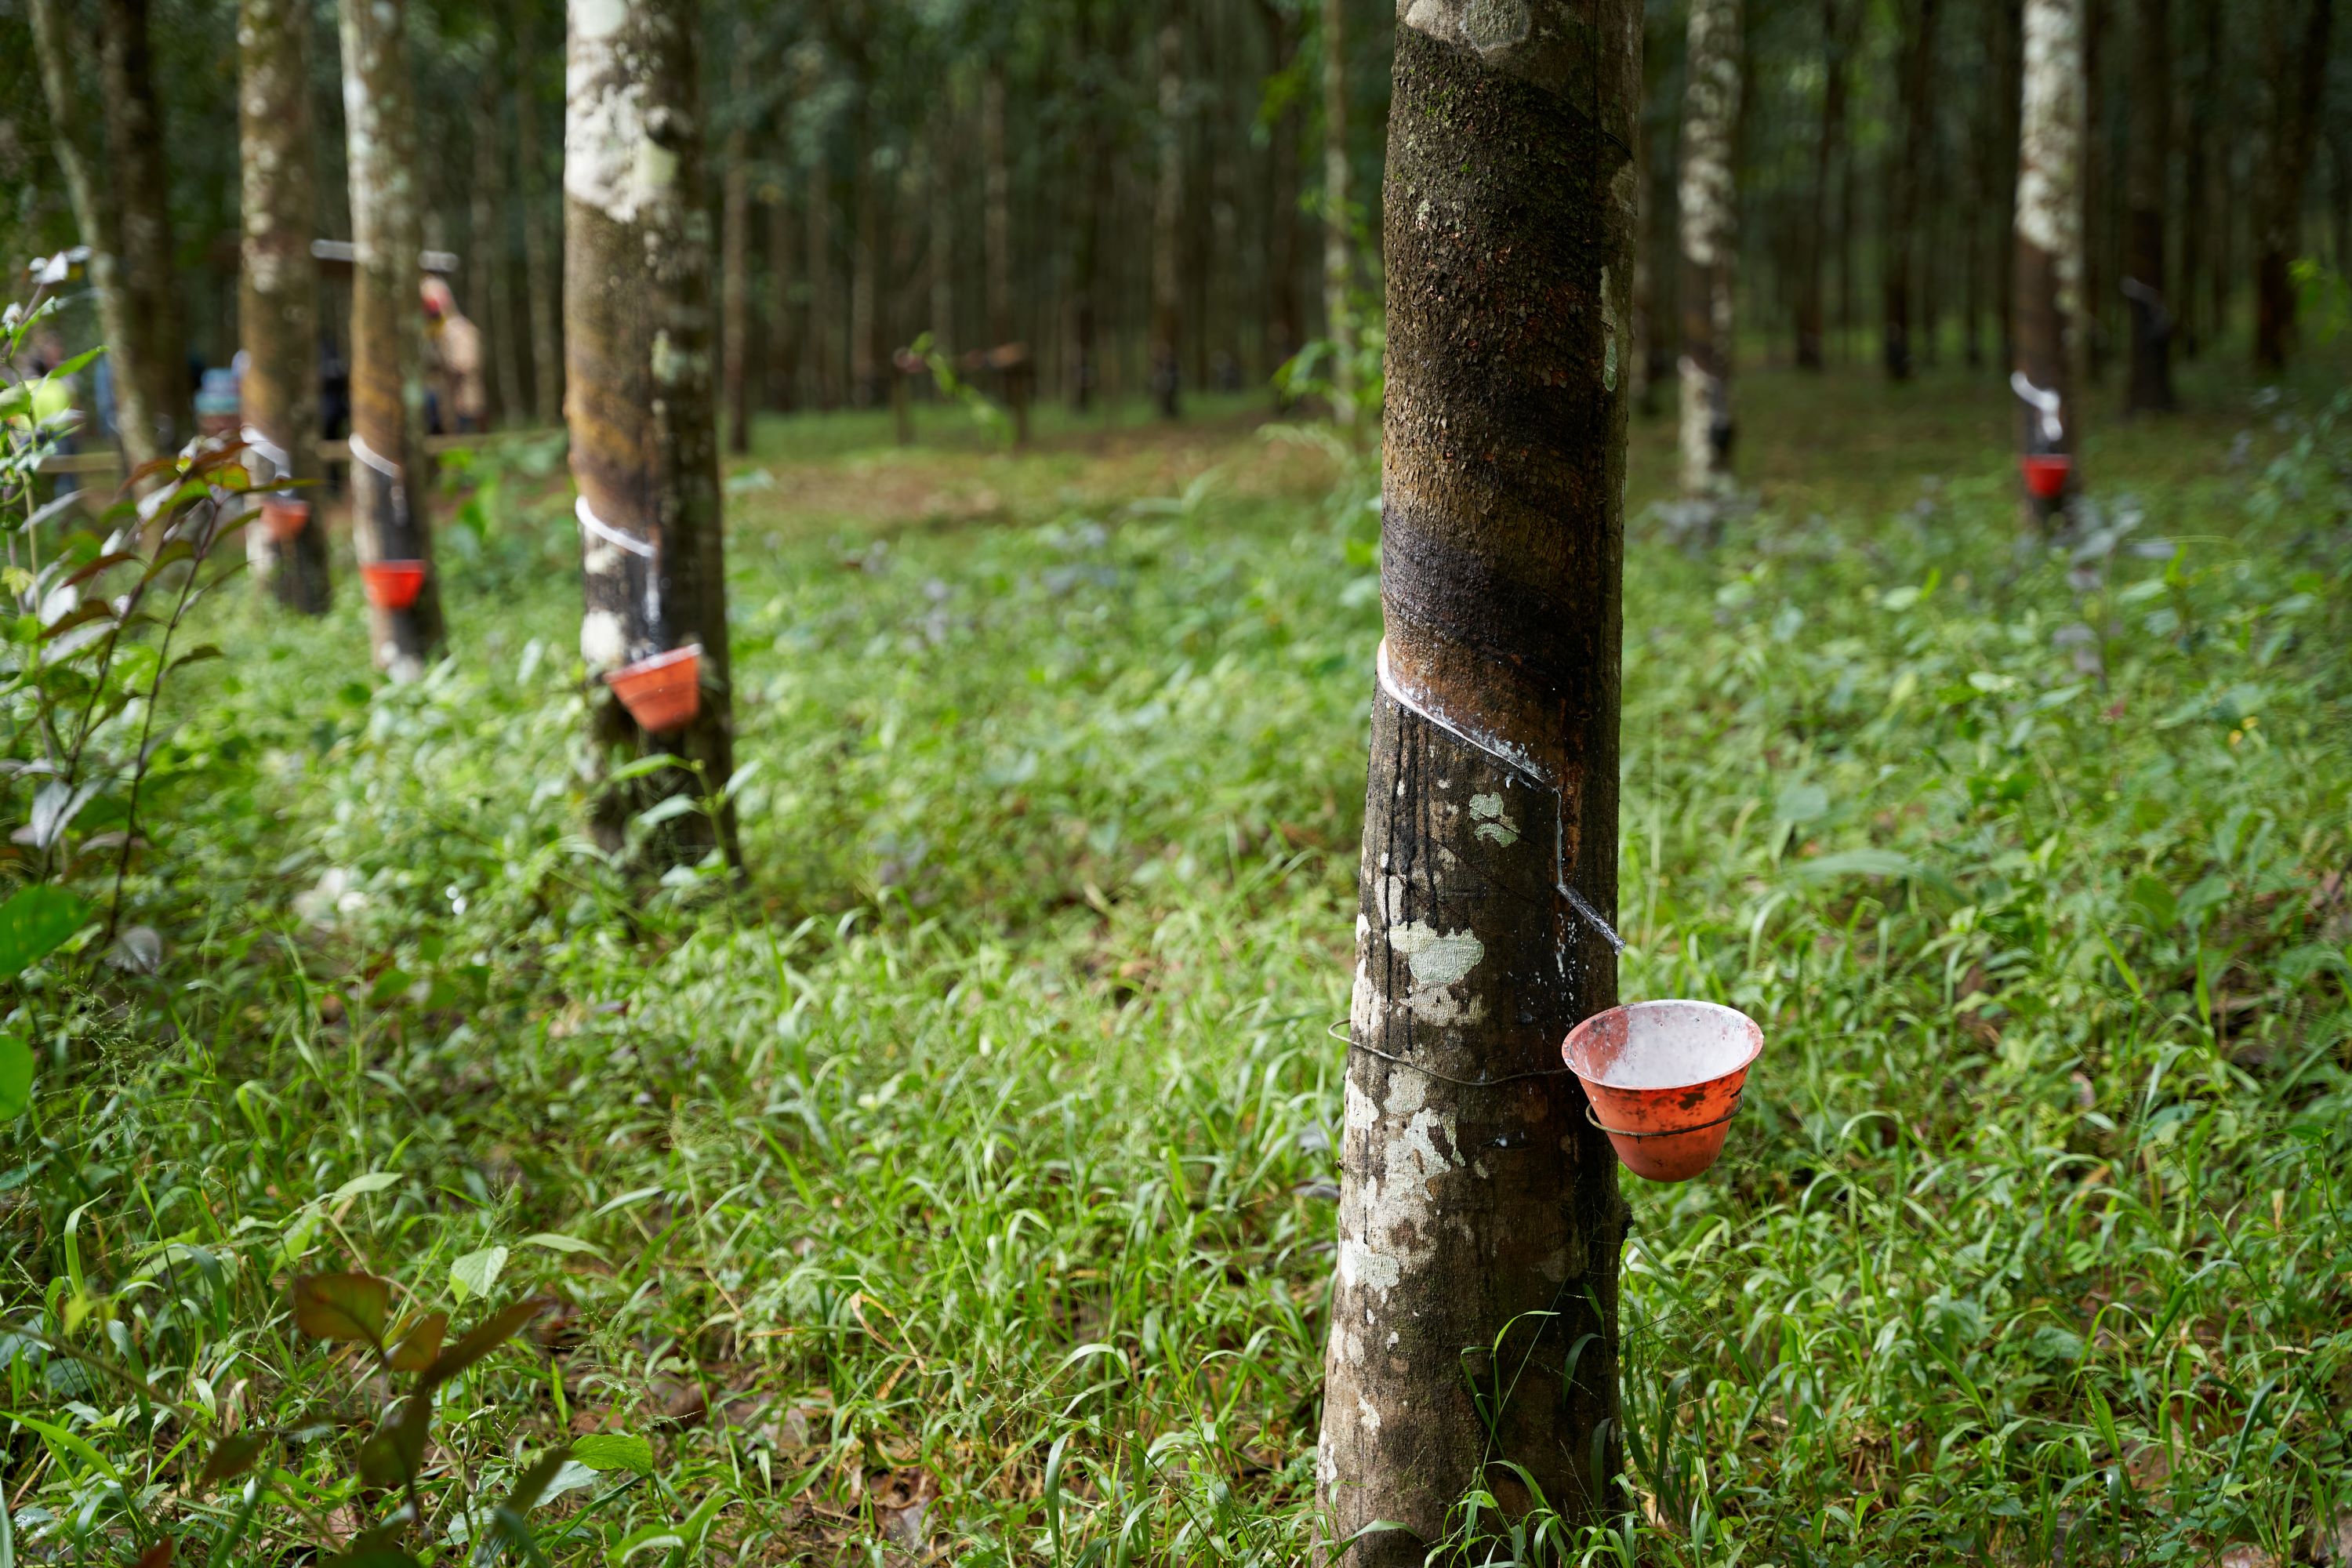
x=1518 y=762
x=277 y=456
x=605 y=530
x=2045 y=403
x=374 y=458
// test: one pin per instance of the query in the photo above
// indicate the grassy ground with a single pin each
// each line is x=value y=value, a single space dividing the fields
x=966 y=1186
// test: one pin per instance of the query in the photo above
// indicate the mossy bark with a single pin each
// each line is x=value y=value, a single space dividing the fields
x=1478 y=1209
x=2049 y=238
x=641 y=405
x=392 y=483
x=277 y=302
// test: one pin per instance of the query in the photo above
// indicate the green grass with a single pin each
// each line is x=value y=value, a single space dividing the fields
x=965 y=1182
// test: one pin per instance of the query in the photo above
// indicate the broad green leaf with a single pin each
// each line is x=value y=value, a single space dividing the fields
x=642 y=767
x=35 y=923
x=231 y=1458
x=15 y=1077
x=481 y=1339
x=342 y=1306
x=474 y=1273
x=615 y=1451
x=421 y=1343
x=374 y=1182
x=388 y=985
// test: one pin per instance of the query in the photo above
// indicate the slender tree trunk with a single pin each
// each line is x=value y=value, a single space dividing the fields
x=824 y=326
x=2089 y=326
x=2199 y=129
x=864 y=263
x=644 y=436
x=2298 y=89
x=735 y=250
x=2150 y=388
x=1474 y=1319
x=278 y=304
x=486 y=229
x=2049 y=241
x=2009 y=88
x=538 y=259
x=1167 y=220
x=1339 y=245
x=1711 y=254
x=1826 y=153
x=1285 y=325
x=134 y=156
x=57 y=44
x=940 y=252
x=996 y=239
x=782 y=341
x=392 y=488
x=1086 y=269
x=1903 y=187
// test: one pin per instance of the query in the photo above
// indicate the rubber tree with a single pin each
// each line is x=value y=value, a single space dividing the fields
x=277 y=301
x=1904 y=184
x=2146 y=173
x=1829 y=148
x=2297 y=73
x=1285 y=334
x=1474 y=1316
x=1710 y=255
x=142 y=194
x=392 y=486
x=1168 y=216
x=57 y=44
x=640 y=403
x=2049 y=241
x=1338 y=244
x=539 y=259
x=735 y=248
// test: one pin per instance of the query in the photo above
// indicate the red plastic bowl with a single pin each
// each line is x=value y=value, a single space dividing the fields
x=2046 y=475
x=393 y=584
x=664 y=693
x=284 y=516
x=1663 y=1080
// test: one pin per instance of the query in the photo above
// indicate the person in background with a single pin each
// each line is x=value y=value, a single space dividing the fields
x=453 y=350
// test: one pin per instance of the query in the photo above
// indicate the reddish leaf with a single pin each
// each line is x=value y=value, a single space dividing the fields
x=421 y=1343
x=158 y=1555
x=481 y=1339
x=342 y=1306
x=390 y=1457
x=232 y=1457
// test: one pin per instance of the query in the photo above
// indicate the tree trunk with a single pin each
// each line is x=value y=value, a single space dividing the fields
x=996 y=239
x=59 y=45
x=134 y=156
x=864 y=263
x=824 y=324
x=484 y=266
x=278 y=303
x=2091 y=302
x=735 y=251
x=538 y=260
x=2199 y=129
x=2150 y=388
x=1086 y=264
x=2049 y=241
x=1826 y=154
x=1284 y=322
x=1338 y=247
x=1711 y=254
x=2298 y=89
x=1166 y=219
x=783 y=343
x=392 y=486
x=644 y=437
x=940 y=251
x=2009 y=89
x=1902 y=186
x=1474 y=1318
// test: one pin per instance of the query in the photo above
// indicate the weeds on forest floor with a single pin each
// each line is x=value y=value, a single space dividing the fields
x=967 y=1187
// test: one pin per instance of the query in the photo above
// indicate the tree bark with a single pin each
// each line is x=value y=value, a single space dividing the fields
x=59 y=45
x=643 y=425
x=1709 y=206
x=1166 y=219
x=783 y=343
x=823 y=335
x=134 y=156
x=2149 y=390
x=864 y=262
x=940 y=251
x=2298 y=83
x=278 y=303
x=484 y=266
x=538 y=259
x=2049 y=239
x=1827 y=151
x=1284 y=321
x=2009 y=87
x=2090 y=327
x=735 y=250
x=392 y=486
x=1902 y=186
x=2199 y=129
x=1480 y=1222
x=996 y=242
x=1338 y=247
x=1085 y=265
